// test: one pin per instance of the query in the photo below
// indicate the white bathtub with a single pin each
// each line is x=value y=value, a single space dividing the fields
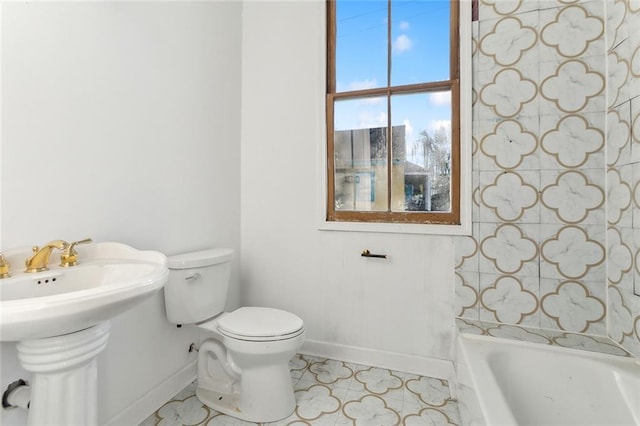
x=504 y=382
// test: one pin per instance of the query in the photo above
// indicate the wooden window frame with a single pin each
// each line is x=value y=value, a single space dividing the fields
x=453 y=85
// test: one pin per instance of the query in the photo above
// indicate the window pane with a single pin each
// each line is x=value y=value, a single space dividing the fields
x=420 y=41
x=361 y=45
x=360 y=155
x=421 y=173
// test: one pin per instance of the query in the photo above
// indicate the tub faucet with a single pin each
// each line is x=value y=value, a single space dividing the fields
x=40 y=259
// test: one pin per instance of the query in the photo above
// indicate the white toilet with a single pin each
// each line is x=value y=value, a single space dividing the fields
x=243 y=369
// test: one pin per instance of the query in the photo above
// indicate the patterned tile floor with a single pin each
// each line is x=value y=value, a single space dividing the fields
x=332 y=392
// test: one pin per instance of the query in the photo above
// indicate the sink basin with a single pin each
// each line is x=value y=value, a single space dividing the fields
x=60 y=319
x=109 y=279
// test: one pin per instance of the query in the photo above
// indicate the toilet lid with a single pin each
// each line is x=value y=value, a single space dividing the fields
x=259 y=323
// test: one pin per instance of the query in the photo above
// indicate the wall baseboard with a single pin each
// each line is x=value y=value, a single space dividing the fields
x=423 y=366
x=139 y=410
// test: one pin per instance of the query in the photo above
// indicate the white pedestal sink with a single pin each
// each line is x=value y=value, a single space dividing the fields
x=60 y=319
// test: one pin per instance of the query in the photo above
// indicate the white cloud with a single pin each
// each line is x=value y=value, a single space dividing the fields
x=402 y=44
x=372 y=101
x=404 y=25
x=440 y=98
x=408 y=130
x=363 y=84
x=440 y=124
x=369 y=119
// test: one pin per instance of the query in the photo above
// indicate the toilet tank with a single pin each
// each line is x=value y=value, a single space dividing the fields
x=198 y=285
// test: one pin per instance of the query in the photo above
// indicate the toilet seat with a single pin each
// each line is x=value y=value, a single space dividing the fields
x=259 y=324
x=262 y=338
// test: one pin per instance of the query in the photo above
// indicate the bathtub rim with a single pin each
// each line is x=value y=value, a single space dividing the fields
x=490 y=387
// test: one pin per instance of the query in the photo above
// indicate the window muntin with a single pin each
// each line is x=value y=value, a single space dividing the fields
x=419 y=115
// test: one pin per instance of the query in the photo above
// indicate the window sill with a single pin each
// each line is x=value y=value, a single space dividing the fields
x=396 y=228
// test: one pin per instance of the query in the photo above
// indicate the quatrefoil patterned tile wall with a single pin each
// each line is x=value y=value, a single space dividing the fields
x=556 y=168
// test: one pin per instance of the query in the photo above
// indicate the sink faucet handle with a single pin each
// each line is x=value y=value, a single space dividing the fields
x=4 y=267
x=69 y=256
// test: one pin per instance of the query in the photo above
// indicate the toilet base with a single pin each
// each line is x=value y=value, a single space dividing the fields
x=225 y=403
x=268 y=396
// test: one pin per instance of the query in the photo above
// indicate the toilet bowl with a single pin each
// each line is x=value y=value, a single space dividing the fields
x=259 y=388
x=243 y=364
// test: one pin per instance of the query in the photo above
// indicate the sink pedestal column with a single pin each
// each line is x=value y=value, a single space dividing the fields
x=65 y=376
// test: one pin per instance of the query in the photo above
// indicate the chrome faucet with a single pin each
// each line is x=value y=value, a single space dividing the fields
x=40 y=259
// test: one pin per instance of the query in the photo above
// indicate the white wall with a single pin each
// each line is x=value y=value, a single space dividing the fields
x=403 y=305
x=120 y=122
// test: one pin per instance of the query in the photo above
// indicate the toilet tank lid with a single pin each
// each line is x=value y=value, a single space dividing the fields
x=200 y=258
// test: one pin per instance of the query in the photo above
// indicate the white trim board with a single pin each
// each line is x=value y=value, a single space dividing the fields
x=424 y=366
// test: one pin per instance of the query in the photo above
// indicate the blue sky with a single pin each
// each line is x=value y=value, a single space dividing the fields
x=420 y=31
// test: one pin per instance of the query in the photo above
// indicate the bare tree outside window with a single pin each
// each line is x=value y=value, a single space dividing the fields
x=434 y=149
